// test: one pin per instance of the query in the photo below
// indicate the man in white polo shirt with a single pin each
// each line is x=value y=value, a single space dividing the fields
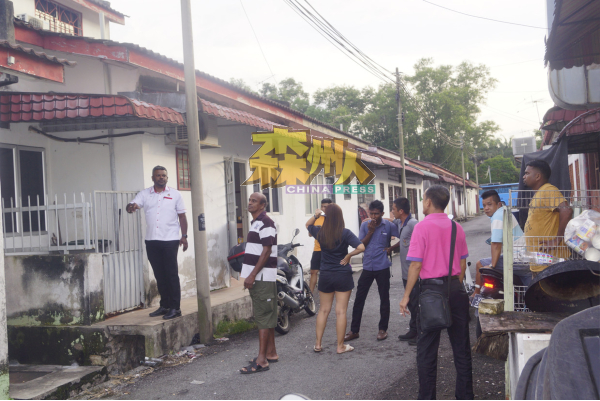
x=165 y=215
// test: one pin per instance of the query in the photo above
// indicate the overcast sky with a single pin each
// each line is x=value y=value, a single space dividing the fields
x=394 y=33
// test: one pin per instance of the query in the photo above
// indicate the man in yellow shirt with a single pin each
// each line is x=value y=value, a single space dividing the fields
x=315 y=261
x=549 y=213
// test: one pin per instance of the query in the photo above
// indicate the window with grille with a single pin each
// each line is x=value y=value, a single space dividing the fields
x=273 y=195
x=183 y=170
x=60 y=18
x=22 y=179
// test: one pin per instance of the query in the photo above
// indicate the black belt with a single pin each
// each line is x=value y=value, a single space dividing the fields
x=438 y=281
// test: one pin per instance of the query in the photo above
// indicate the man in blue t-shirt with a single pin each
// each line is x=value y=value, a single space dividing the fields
x=376 y=235
x=492 y=207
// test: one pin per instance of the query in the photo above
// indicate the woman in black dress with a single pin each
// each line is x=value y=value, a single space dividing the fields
x=335 y=279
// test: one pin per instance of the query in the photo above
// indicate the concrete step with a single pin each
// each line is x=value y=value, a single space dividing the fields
x=36 y=382
x=162 y=336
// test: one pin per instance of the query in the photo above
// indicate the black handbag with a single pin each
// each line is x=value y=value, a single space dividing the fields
x=434 y=305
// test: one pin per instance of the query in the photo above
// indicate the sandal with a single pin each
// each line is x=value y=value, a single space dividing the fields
x=317 y=349
x=268 y=360
x=257 y=368
x=347 y=348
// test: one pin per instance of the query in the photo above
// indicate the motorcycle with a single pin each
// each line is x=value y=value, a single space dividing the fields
x=293 y=293
x=492 y=287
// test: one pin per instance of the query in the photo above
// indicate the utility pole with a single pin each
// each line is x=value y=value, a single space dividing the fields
x=476 y=173
x=401 y=133
x=198 y=218
x=462 y=152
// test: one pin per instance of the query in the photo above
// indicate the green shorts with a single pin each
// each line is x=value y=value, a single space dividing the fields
x=264 y=303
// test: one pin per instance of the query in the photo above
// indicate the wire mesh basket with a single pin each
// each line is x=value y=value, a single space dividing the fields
x=520 y=298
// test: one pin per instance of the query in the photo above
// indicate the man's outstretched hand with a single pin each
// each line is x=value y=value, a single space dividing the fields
x=132 y=207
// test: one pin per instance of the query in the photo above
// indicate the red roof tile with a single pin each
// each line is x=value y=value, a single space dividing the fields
x=24 y=107
x=236 y=115
x=6 y=44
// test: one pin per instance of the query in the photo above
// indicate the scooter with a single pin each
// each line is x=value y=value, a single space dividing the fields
x=293 y=293
x=492 y=287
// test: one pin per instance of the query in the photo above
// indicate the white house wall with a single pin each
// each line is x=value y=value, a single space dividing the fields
x=90 y=19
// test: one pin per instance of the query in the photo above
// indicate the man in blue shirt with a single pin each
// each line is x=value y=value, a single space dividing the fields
x=376 y=235
x=492 y=207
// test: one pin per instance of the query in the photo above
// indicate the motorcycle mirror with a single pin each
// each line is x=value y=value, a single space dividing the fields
x=296 y=232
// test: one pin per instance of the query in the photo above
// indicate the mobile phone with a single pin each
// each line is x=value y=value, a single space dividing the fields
x=489 y=241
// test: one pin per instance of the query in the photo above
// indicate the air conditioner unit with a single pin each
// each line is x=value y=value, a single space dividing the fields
x=523 y=146
x=34 y=22
x=209 y=137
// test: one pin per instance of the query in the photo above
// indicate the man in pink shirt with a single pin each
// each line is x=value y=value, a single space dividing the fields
x=429 y=253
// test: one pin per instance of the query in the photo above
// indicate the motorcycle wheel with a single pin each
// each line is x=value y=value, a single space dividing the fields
x=283 y=320
x=310 y=306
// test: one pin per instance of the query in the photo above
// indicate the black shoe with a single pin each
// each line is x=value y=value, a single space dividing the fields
x=173 y=313
x=412 y=341
x=408 y=336
x=159 y=311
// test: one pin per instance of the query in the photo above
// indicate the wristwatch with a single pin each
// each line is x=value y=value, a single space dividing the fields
x=184 y=236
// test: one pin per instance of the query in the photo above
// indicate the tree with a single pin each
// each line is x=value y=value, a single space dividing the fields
x=502 y=169
x=289 y=92
x=445 y=108
x=240 y=83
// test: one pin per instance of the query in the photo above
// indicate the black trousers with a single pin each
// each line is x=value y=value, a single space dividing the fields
x=428 y=343
x=413 y=306
x=382 y=277
x=162 y=256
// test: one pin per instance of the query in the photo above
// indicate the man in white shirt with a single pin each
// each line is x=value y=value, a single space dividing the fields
x=165 y=215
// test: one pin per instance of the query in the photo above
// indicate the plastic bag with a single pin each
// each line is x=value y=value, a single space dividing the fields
x=581 y=230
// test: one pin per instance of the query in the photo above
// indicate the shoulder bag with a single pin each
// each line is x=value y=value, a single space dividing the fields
x=434 y=305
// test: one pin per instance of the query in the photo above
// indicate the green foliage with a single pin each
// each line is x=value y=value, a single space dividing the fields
x=502 y=169
x=289 y=92
x=228 y=327
x=449 y=97
x=240 y=83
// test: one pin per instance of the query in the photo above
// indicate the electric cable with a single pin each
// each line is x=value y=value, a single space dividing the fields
x=476 y=16
x=258 y=41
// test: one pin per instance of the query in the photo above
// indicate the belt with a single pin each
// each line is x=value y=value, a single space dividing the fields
x=439 y=280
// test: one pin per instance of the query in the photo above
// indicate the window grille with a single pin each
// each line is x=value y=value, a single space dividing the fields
x=183 y=170
x=60 y=18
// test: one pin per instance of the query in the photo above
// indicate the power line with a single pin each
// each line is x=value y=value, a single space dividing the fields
x=258 y=41
x=334 y=39
x=476 y=16
x=338 y=40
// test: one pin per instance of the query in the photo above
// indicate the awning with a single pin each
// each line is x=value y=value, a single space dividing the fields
x=396 y=164
x=429 y=174
x=447 y=179
x=236 y=115
x=41 y=55
x=581 y=127
x=72 y=112
x=370 y=159
x=574 y=38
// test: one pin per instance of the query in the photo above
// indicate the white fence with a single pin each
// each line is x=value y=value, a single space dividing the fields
x=93 y=223
x=119 y=236
x=39 y=226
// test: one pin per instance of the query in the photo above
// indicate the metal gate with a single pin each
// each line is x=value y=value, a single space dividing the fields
x=119 y=236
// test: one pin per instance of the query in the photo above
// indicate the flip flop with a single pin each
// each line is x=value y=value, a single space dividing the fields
x=317 y=349
x=268 y=360
x=257 y=368
x=347 y=348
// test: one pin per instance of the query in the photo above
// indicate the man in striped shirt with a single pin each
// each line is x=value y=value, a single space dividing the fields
x=260 y=272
